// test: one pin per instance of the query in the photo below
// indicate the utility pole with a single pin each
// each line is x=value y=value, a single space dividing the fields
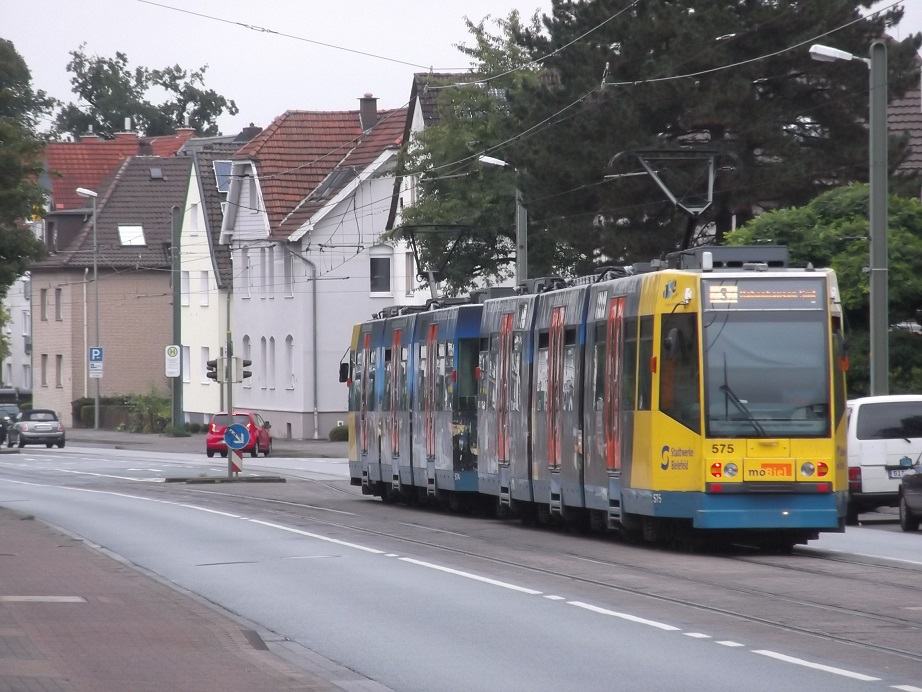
x=176 y=265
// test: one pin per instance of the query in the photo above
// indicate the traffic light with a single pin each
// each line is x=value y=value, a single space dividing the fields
x=240 y=369
x=216 y=369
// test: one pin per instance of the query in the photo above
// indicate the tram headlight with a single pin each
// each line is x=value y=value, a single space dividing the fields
x=731 y=469
x=807 y=469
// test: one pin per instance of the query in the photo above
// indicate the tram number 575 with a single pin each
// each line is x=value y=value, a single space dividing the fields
x=722 y=448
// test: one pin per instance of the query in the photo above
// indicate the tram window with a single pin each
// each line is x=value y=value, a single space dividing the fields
x=544 y=339
x=467 y=385
x=645 y=353
x=388 y=374
x=569 y=378
x=541 y=377
x=598 y=376
x=679 y=393
x=569 y=335
x=629 y=369
x=516 y=371
x=441 y=393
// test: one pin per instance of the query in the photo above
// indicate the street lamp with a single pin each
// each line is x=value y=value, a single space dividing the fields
x=90 y=194
x=877 y=222
x=521 y=223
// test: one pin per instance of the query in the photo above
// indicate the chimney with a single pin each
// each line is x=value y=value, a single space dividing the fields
x=368 y=112
x=145 y=148
x=248 y=133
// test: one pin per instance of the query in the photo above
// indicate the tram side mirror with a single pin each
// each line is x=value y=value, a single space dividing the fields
x=671 y=344
x=344 y=372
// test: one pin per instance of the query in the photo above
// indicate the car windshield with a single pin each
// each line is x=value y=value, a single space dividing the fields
x=39 y=415
x=224 y=419
x=8 y=410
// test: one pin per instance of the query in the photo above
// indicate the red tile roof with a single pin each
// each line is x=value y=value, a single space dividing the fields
x=905 y=115
x=91 y=161
x=297 y=152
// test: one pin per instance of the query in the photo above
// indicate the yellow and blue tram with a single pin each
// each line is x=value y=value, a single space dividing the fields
x=699 y=395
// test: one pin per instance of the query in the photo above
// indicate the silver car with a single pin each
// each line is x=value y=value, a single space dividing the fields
x=34 y=427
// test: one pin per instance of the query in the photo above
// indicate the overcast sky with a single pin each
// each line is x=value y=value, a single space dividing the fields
x=268 y=73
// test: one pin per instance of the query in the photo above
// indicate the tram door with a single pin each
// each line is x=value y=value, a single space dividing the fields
x=503 y=386
x=397 y=387
x=614 y=353
x=364 y=421
x=555 y=366
x=432 y=349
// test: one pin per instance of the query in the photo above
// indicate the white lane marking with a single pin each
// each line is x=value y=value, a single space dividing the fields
x=729 y=643
x=429 y=528
x=816 y=666
x=554 y=598
x=109 y=475
x=624 y=616
x=212 y=511
x=907 y=688
x=697 y=635
x=317 y=536
x=42 y=599
x=468 y=575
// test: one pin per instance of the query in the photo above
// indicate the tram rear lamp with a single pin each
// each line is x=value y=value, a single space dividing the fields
x=716 y=487
x=731 y=469
x=823 y=488
x=477 y=373
x=716 y=469
x=454 y=375
x=822 y=469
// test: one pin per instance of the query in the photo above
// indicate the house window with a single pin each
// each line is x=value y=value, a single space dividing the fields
x=184 y=288
x=43 y=304
x=27 y=376
x=271 y=362
x=193 y=218
x=59 y=370
x=245 y=272
x=263 y=271
x=271 y=268
x=203 y=288
x=59 y=304
x=44 y=369
x=131 y=235
x=410 y=269
x=254 y=197
x=203 y=361
x=247 y=382
x=262 y=361
x=222 y=175
x=9 y=374
x=289 y=362
x=380 y=274
x=288 y=269
x=26 y=323
x=186 y=362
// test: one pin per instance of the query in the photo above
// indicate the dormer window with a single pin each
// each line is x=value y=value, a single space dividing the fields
x=222 y=175
x=131 y=235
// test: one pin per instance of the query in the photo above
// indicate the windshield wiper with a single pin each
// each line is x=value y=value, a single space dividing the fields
x=731 y=395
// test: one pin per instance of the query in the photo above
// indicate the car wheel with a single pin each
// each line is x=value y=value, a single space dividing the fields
x=49 y=445
x=267 y=450
x=61 y=444
x=209 y=452
x=255 y=451
x=223 y=452
x=908 y=521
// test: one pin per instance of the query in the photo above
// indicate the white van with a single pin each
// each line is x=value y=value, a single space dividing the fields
x=884 y=439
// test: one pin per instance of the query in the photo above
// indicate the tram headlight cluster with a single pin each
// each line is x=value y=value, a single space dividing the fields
x=809 y=468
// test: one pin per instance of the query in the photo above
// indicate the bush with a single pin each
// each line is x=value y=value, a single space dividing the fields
x=339 y=434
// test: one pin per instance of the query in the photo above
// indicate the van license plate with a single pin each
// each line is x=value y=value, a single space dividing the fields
x=895 y=473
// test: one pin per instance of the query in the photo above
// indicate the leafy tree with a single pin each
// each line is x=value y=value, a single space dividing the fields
x=832 y=231
x=20 y=165
x=611 y=78
x=109 y=91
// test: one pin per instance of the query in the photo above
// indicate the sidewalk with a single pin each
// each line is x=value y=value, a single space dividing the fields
x=74 y=619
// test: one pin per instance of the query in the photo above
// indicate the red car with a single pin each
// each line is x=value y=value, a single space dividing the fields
x=260 y=439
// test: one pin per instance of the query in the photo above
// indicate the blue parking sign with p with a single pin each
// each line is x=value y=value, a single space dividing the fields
x=96 y=354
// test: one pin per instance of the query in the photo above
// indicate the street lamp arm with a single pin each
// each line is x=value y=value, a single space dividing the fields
x=827 y=54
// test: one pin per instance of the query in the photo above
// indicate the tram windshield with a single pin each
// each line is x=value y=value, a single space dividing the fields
x=766 y=373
